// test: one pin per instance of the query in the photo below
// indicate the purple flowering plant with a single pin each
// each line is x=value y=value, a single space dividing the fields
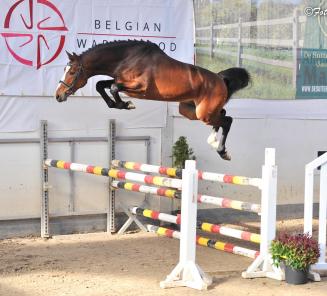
x=298 y=251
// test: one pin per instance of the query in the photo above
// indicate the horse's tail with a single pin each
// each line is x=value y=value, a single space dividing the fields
x=235 y=79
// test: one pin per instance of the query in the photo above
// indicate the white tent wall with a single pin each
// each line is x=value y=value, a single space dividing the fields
x=20 y=163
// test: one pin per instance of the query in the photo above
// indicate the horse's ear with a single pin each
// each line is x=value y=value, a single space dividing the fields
x=70 y=56
x=76 y=57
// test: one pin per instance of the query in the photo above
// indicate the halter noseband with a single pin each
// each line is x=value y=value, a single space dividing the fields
x=72 y=85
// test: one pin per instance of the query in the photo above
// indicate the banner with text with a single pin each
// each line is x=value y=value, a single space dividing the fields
x=36 y=33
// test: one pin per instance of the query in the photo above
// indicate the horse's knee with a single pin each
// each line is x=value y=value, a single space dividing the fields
x=100 y=86
x=114 y=89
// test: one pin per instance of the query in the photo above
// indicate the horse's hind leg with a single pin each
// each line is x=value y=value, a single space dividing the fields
x=187 y=109
x=120 y=104
x=212 y=139
x=218 y=120
x=225 y=124
x=101 y=86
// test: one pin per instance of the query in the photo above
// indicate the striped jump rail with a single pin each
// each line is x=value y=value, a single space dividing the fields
x=117 y=174
x=160 y=191
x=222 y=202
x=155 y=215
x=210 y=243
x=177 y=173
x=208 y=227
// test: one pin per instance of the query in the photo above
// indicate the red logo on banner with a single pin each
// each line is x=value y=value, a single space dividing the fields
x=31 y=25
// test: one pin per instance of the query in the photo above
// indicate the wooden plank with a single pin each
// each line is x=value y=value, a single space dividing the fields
x=295 y=45
x=203 y=38
x=223 y=39
x=284 y=64
x=281 y=21
x=227 y=26
x=202 y=28
x=284 y=43
x=229 y=53
x=269 y=42
x=239 y=44
x=302 y=19
x=203 y=49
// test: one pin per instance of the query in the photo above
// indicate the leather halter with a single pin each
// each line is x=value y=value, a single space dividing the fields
x=70 y=87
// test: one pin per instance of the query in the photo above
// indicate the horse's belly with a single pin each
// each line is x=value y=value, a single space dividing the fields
x=160 y=88
x=143 y=95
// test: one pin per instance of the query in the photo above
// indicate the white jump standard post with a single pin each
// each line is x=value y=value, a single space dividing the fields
x=263 y=266
x=308 y=210
x=187 y=273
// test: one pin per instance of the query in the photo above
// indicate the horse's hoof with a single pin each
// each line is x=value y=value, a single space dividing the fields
x=130 y=105
x=125 y=105
x=225 y=155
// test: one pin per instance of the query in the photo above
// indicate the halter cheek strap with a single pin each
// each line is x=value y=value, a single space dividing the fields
x=65 y=84
x=72 y=85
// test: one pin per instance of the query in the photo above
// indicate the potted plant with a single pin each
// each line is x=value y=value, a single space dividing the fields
x=296 y=253
x=181 y=152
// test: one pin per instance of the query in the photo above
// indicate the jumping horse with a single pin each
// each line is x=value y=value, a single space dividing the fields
x=140 y=69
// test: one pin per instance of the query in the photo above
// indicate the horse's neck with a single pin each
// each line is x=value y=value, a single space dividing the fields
x=101 y=62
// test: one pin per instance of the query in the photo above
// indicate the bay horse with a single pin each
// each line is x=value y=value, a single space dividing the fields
x=140 y=69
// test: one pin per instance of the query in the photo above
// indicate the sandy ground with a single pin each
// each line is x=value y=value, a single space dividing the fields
x=132 y=264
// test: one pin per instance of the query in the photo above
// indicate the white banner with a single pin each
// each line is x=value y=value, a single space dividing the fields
x=36 y=33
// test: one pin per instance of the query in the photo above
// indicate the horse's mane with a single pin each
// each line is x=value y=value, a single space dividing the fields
x=125 y=43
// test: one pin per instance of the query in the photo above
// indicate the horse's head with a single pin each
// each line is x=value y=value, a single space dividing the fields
x=74 y=78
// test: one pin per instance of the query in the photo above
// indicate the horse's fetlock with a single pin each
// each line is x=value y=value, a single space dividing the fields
x=114 y=88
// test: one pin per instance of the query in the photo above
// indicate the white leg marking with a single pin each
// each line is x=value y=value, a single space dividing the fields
x=212 y=140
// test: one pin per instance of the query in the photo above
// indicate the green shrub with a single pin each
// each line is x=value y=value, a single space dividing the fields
x=182 y=152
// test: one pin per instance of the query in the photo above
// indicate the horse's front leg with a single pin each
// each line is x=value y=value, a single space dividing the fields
x=120 y=104
x=101 y=86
